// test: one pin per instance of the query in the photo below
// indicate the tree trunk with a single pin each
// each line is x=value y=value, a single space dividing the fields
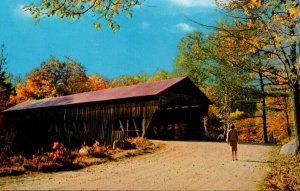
x=226 y=115
x=296 y=110
x=295 y=85
x=264 y=115
x=286 y=111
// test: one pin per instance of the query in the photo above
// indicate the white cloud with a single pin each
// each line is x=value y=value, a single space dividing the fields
x=193 y=3
x=185 y=27
x=144 y=25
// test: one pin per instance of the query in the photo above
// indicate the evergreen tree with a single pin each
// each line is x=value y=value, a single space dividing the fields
x=6 y=88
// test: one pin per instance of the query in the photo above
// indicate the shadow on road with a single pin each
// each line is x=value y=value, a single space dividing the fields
x=255 y=161
x=260 y=144
x=221 y=142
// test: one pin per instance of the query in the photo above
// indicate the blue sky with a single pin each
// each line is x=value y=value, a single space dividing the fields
x=145 y=43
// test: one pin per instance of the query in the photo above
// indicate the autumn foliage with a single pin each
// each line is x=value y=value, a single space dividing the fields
x=250 y=129
x=56 y=78
x=59 y=153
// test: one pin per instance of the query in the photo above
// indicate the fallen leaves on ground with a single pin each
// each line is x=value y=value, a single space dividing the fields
x=284 y=173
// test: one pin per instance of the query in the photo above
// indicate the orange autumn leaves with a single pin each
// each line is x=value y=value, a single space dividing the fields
x=59 y=152
x=250 y=128
x=56 y=78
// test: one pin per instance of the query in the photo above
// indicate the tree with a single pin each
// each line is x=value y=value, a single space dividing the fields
x=96 y=82
x=191 y=58
x=274 y=25
x=202 y=59
x=141 y=77
x=228 y=51
x=267 y=31
x=6 y=88
x=160 y=74
x=229 y=87
x=124 y=80
x=54 y=78
x=75 y=9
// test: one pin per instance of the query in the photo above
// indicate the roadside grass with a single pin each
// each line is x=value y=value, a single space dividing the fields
x=61 y=159
x=282 y=172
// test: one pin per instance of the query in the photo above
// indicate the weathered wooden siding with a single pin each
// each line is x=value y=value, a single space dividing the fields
x=75 y=125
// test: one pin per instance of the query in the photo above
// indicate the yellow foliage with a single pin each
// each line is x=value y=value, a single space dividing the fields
x=97 y=83
x=236 y=114
x=255 y=3
x=252 y=5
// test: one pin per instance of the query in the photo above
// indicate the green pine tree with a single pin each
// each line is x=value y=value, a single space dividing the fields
x=6 y=88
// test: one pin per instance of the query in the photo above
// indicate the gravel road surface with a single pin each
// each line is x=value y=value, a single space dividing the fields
x=181 y=165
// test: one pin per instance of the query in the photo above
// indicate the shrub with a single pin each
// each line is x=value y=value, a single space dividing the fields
x=33 y=164
x=101 y=151
x=59 y=154
x=139 y=141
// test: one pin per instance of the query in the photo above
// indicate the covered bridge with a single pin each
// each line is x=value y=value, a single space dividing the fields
x=167 y=109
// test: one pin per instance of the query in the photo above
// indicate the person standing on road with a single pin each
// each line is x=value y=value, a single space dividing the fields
x=232 y=140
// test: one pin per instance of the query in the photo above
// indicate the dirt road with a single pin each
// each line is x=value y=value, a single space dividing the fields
x=179 y=166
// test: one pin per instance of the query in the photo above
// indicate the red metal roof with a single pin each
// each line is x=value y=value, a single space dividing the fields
x=133 y=91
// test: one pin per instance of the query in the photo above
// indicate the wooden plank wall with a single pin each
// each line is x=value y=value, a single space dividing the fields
x=74 y=126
